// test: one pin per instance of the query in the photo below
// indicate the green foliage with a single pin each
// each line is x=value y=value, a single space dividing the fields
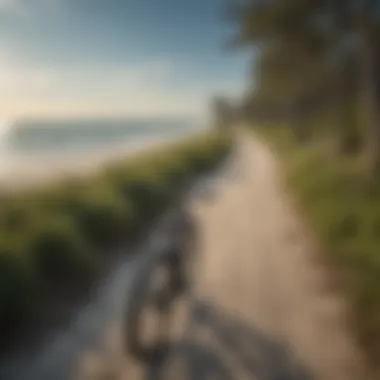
x=103 y=216
x=311 y=58
x=18 y=282
x=51 y=237
x=145 y=189
x=58 y=250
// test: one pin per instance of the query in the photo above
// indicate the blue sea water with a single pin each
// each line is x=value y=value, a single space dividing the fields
x=44 y=138
x=34 y=150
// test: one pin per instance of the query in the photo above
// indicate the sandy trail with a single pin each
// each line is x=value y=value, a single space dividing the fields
x=262 y=307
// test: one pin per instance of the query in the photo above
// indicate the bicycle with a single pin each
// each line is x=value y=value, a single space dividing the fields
x=163 y=279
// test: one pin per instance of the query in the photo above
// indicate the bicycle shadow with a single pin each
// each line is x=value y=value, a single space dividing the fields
x=196 y=362
x=258 y=356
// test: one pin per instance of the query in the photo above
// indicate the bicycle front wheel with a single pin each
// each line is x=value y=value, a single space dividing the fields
x=148 y=318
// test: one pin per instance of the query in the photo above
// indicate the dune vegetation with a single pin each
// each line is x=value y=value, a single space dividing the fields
x=55 y=236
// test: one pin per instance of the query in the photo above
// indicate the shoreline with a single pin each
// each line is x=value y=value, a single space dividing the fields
x=33 y=174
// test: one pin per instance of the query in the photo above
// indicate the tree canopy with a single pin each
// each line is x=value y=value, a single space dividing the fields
x=315 y=54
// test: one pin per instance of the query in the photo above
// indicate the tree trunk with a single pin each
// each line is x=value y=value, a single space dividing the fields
x=371 y=89
x=301 y=129
x=346 y=91
x=344 y=80
x=302 y=114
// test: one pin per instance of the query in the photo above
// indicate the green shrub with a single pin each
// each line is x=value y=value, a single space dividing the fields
x=66 y=197
x=18 y=283
x=143 y=189
x=103 y=216
x=172 y=167
x=17 y=214
x=58 y=251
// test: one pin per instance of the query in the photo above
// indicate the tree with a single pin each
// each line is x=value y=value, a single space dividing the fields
x=223 y=112
x=368 y=31
x=308 y=50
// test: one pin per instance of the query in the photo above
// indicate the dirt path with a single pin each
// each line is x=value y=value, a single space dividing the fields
x=262 y=307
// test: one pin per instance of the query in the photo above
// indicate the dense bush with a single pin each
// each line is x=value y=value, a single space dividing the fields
x=52 y=236
x=59 y=251
x=18 y=283
x=102 y=216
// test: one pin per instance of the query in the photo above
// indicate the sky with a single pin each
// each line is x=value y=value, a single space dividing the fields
x=71 y=58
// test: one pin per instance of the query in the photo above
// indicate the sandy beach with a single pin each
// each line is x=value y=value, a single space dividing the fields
x=31 y=172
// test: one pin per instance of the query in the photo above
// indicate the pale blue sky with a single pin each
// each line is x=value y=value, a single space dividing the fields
x=114 y=57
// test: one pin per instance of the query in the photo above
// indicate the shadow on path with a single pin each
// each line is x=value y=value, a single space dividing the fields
x=257 y=356
x=196 y=362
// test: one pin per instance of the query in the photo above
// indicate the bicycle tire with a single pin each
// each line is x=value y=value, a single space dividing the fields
x=133 y=341
x=188 y=247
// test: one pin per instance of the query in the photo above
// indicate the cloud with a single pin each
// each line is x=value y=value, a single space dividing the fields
x=20 y=82
x=142 y=89
x=18 y=79
x=12 y=7
x=26 y=9
x=146 y=88
x=7 y=4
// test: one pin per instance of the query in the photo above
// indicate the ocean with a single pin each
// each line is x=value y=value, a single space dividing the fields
x=32 y=149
